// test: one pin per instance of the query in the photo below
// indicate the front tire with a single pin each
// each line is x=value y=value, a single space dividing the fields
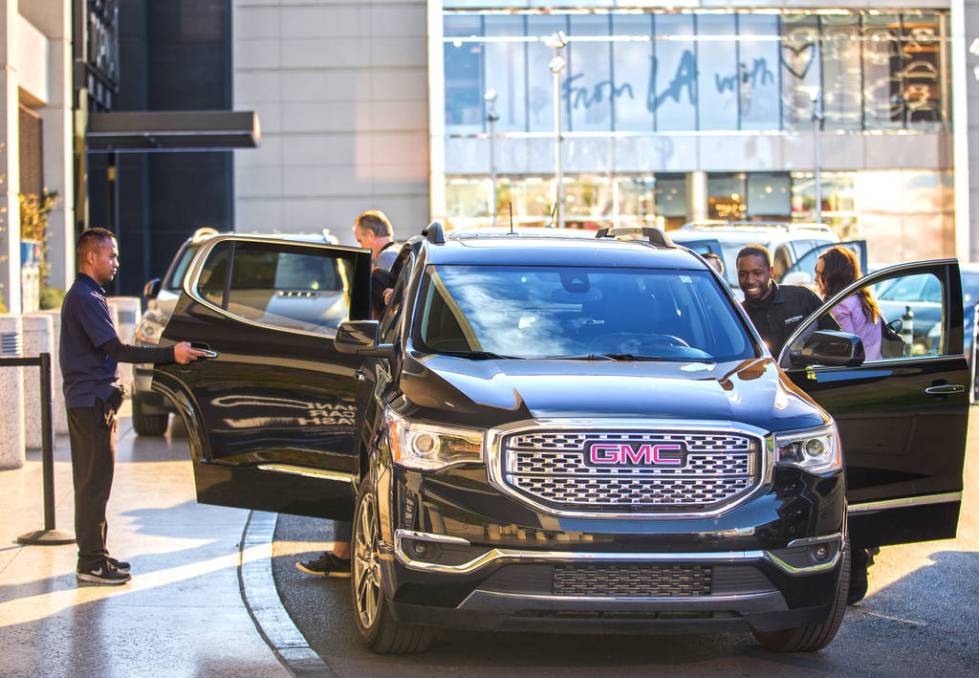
x=152 y=425
x=813 y=637
x=379 y=630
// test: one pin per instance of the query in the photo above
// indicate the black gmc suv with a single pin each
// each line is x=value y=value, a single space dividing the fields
x=565 y=434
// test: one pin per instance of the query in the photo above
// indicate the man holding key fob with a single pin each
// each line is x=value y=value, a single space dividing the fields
x=90 y=352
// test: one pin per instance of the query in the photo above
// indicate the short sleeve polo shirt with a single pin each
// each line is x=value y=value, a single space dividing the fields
x=86 y=324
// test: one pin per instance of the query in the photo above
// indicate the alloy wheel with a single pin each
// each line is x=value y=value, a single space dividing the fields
x=367 y=565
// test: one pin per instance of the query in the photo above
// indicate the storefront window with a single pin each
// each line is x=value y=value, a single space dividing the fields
x=769 y=196
x=540 y=90
x=838 y=205
x=671 y=199
x=588 y=197
x=463 y=74
x=467 y=198
x=882 y=101
x=636 y=199
x=921 y=55
x=726 y=196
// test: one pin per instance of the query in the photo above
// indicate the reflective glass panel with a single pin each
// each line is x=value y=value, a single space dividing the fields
x=717 y=72
x=588 y=83
x=769 y=195
x=800 y=68
x=883 y=106
x=631 y=60
x=842 y=101
x=760 y=71
x=673 y=97
x=540 y=89
x=726 y=196
x=506 y=71
x=921 y=56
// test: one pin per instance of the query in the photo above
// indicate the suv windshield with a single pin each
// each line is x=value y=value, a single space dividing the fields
x=583 y=313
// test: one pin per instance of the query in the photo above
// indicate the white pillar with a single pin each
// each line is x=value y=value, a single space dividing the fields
x=11 y=395
x=37 y=331
x=126 y=312
x=58 y=412
x=9 y=158
x=696 y=196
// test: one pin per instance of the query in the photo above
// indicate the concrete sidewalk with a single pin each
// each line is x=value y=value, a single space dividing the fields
x=182 y=614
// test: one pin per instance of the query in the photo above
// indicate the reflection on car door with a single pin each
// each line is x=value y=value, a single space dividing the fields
x=271 y=418
x=902 y=417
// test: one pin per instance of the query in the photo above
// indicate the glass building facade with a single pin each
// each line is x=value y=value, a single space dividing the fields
x=672 y=115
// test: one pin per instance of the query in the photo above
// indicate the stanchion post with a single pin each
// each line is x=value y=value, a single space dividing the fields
x=49 y=536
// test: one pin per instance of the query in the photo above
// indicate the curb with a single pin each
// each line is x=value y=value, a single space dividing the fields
x=263 y=604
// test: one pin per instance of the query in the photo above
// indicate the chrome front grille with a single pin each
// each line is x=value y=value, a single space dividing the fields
x=558 y=469
x=632 y=580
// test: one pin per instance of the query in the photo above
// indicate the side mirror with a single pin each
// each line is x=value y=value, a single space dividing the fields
x=360 y=337
x=152 y=288
x=833 y=349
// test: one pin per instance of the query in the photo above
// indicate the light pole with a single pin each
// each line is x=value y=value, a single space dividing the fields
x=491 y=117
x=816 y=97
x=557 y=42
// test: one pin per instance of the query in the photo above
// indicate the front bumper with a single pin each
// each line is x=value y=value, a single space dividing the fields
x=515 y=589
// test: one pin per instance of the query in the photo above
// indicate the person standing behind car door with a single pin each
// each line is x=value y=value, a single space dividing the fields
x=857 y=313
x=775 y=310
x=90 y=351
x=373 y=231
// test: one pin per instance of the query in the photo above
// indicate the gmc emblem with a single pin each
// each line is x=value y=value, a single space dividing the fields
x=624 y=454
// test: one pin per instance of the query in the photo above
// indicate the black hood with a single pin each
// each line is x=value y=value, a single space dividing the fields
x=493 y=392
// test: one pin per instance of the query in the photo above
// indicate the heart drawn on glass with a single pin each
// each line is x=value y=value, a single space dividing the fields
x=800 y=59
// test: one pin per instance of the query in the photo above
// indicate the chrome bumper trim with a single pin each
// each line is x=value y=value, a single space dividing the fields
x=505 y=555
x=509 y=603
x=904 y=502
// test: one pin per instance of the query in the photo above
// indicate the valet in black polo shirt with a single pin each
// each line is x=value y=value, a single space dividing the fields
x=90 y=352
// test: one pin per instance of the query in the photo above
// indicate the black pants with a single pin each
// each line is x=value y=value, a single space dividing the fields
x=92 y=431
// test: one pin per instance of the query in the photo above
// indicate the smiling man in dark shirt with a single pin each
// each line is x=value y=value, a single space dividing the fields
x=90 y=353
x=775 y=310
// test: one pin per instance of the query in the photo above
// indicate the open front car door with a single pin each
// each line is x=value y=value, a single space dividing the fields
x=903 y=412
x=271 y=415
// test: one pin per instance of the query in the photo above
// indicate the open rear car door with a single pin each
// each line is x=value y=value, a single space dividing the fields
x=271 y=415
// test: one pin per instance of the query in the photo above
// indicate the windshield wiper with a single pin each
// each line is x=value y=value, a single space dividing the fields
x=583 y=356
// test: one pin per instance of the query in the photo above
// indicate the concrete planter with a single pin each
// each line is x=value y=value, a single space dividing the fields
x=11 y=394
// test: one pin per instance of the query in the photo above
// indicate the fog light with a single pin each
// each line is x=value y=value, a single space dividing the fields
x=819 y=553
x=419 y=547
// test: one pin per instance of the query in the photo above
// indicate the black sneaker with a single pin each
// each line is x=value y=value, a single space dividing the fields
x=327 y=565
x=119 y=565
x=103 y=574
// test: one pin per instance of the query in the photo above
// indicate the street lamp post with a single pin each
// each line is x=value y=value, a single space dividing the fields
x=557 y=42
x=816 y=97
x=491 y=117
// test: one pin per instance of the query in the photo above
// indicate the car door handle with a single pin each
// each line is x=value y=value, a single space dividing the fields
x=208 y=353
x=944 y=389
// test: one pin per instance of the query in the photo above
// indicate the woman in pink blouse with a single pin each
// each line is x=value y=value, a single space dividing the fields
x=856 y=313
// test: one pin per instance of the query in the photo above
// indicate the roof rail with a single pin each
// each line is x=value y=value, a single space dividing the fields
x=653 y=235
x=434 y=233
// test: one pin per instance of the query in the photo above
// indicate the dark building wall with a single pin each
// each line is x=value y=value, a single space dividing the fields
x=174 y=55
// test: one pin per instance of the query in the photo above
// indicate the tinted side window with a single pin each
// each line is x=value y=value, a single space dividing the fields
x=910 y=318
x=390 y=319
x=278 y=285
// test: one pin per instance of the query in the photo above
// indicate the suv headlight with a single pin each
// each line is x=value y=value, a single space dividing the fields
x=816 y=451
x=426 y=447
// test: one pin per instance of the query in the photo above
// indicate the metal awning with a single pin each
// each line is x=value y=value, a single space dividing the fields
x=162 y=131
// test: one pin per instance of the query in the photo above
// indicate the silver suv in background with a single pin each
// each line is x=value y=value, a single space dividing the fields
x=794 y=246
x=151 y=412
